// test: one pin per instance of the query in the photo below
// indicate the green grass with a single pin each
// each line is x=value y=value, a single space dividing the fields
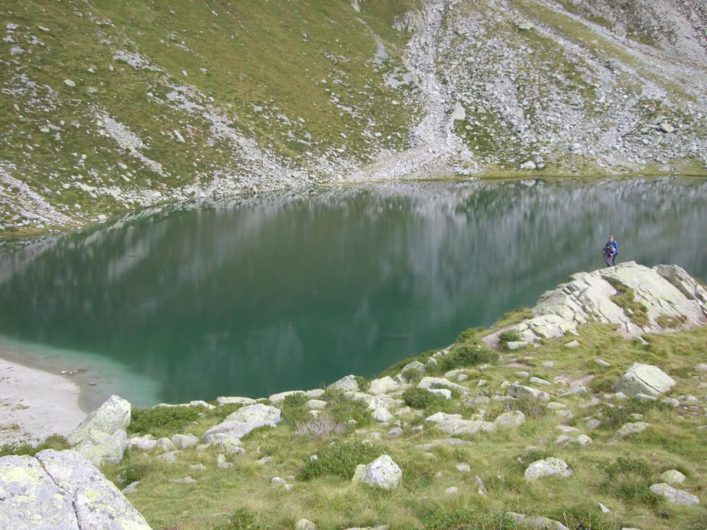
x=625 y=298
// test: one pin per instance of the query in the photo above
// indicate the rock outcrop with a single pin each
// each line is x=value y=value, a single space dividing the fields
x=667 y=293
x=644 y=379
x=61 y=490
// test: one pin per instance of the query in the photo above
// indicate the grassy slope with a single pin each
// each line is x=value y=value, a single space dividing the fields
x=280 y=72
x=243 y=496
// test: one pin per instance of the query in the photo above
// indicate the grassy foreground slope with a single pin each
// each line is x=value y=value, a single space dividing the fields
x=111 y=106
x=486 y=468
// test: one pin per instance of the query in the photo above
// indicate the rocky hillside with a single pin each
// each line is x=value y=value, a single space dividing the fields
x=585 y=429
x=109 y=107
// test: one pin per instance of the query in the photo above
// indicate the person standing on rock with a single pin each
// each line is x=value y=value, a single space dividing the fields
x=611 y=250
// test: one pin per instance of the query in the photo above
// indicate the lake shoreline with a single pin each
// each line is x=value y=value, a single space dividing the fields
x=35 y=403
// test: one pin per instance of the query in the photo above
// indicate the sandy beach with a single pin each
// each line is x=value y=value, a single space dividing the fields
x=35 y=404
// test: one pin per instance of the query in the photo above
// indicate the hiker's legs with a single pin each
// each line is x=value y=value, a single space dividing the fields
x=613 y=260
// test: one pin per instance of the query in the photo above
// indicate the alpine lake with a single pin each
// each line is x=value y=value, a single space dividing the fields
x=293 y=291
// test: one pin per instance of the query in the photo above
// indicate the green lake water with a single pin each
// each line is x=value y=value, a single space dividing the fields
x=294 y=291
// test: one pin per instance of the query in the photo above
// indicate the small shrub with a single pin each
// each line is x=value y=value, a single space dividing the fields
x=342 y=409
x=319 y=427
x=629 y=479
x=159 y=421
x=467 y=354
x=628 y=466
x=339 y=459
x=412 y=374
x=470 y=335
x=293 y=410
x=582 y=516
x=241 y=519
x=613 y=418
x=532 y=408
x=508 y=336
x=132 y=473
x=420 y=398
x=363 y=383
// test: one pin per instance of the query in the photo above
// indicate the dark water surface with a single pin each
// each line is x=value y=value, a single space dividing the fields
x=296 y=291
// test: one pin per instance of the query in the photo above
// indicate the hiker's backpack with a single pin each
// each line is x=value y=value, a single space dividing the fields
x=609 y=249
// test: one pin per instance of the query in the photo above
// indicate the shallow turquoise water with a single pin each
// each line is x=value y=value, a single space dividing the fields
x=295 y=291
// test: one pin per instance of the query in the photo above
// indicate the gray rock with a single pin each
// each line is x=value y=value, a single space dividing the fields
x=198 y=467
x=101 y=436
x=277 y=399
x=395 y=432
x=443 y=392
x=165 y=444
x=644 y=379
x=184 y=441
x=572 y=344
x=31 y=499
x=629 y=429
x=547 y=467
x=304 y=524
x=224 y=400
x=673 y=477
x=452 y=490
x=528 y=165
x=384 y=385
x=514 y=418
x=675 y=496
x=429 y=383
x=666 y=127
x=539 y=381
x=131 y=488
x=383 y=472
x=463 y=467
x=243 y=421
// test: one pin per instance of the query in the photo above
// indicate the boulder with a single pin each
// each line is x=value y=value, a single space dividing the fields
x=675 y=496
x=225 y=400
x=383 y=472
x=143 y=443
x=644 y=379
x=61 y=490
x=243 y=421
x=278 y=398
x=429 y=383
x=547 y=467
x=315 y=404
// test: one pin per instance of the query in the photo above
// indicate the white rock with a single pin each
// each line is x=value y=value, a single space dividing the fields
x=221 y=462
x=538 y=522
x=304 y=524
x=629 y=429
x=452 y=490
x=165 y=444
x=644 y=379
x=143 y=443
x=345 y=384
x=382 y=415
x=69 y=83
x=539 y=381
x=383 y=472
x=184 y=480
x=673 y=477
x=463 y=467
x=315 y=404
x=444 y=392
x=675 y=496
x=547 y=467
x=243 y=421
x=113 y=415
x=169 y=457
x=429 y=382
x=278 y=398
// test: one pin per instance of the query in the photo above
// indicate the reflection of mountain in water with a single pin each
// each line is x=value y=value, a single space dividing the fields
x=295 y=291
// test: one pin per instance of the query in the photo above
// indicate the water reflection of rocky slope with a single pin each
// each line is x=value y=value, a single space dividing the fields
x=300 y=289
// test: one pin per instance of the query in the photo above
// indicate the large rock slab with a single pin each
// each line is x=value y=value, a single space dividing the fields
x=384 y=385
x=644 y=379
x=383 y=472
x=243 y=421
x=101 y=437
x=61 y=491
x=455 y=425
x=345 y=384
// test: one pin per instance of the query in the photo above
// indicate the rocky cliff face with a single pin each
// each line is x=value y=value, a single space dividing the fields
x=110 y=109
